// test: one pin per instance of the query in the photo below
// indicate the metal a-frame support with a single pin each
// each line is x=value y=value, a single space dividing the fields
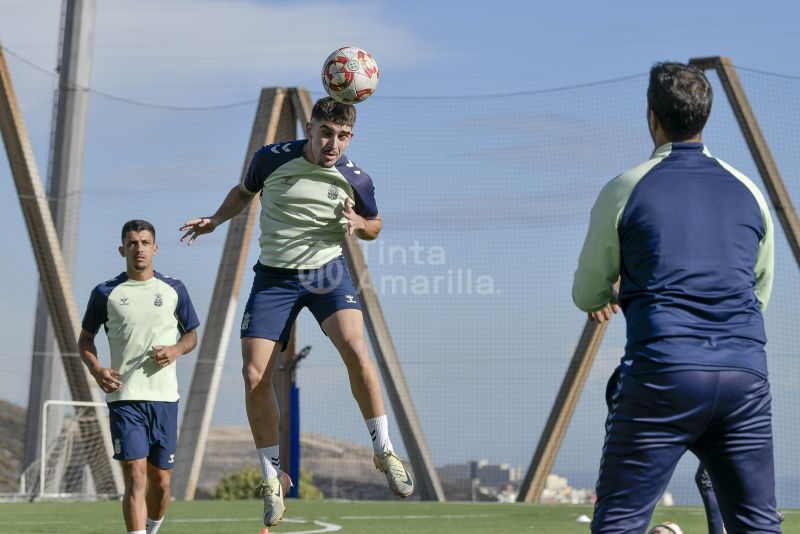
x=64 y=185
x=577 y=372
x=275 y=120
x=54 y=279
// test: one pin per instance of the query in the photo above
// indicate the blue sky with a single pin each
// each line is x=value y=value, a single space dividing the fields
x=495 y=361
x=210 y=52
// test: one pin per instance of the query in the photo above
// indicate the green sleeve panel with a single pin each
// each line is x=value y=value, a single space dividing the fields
x=599 y=262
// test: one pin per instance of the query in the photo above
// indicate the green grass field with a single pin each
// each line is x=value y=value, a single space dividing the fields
x=243 y=517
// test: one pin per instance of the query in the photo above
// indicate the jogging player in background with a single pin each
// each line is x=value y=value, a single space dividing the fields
x=149 y=321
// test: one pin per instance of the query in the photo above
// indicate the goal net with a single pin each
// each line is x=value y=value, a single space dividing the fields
x=70 y=441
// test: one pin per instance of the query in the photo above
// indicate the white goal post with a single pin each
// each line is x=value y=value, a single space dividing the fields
x=63 y=470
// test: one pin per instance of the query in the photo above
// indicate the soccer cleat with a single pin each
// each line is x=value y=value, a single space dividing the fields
x=272 y=491
x=396 y=475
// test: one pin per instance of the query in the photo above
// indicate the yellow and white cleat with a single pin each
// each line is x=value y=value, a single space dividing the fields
x=396 y=474
x=272 y=490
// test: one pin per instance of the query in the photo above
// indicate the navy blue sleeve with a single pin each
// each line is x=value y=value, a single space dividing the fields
x=267 y=160
x=255 y=177
x=96 y=311
x=363 y=189
x=184 y=311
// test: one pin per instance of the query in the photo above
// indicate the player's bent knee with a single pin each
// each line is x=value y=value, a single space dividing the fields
x=254 y=376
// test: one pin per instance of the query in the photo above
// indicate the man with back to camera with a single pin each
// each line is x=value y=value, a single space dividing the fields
x=311 y=195
x=143 y=313
x=690 y=238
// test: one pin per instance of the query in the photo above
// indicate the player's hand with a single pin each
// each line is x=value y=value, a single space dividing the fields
x=197 y=227
x=354 y=220
x=108 y=380
x=603 y=315
x=165 y=354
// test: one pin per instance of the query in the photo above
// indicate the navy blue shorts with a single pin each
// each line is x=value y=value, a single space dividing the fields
x=278 y=295
x=144 y=429
x=723 y=417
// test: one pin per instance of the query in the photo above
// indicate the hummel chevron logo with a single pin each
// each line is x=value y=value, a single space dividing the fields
x=350 y=164
x=275 y=149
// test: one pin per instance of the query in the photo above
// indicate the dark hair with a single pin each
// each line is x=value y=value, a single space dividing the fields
x=329 y=110
x=680 y=97
x=137 y=225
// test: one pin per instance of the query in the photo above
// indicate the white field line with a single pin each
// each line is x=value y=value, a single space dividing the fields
x=404 y=517
x=326 y=527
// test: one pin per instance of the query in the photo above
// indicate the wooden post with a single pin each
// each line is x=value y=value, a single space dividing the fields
x=776 y=189
x=272 y=120
x=427 y=483
x=54 y=279
x=564 y=406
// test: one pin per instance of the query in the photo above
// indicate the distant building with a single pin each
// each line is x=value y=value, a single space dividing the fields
x=558 y=491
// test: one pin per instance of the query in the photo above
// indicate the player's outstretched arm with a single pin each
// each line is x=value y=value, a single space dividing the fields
x=108 y=379
x=236 y=200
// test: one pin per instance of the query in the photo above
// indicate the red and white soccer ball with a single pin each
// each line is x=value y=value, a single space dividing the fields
x=350 y=75
x=667 y=527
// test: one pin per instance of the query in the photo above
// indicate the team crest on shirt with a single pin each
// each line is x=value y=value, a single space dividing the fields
x=124 y=301
x=333 y=192
x=158 y=301
x=287 y=180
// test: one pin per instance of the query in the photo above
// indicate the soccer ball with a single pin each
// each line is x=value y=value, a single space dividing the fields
x=350 y=75
x=667 y=527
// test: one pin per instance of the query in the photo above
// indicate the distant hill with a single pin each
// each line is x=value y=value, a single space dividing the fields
x=340 y=469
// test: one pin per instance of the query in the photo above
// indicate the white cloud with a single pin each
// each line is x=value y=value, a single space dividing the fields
x=209 y=49
x=207 y=52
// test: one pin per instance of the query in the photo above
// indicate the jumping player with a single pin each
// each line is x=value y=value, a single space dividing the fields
x=311 y=196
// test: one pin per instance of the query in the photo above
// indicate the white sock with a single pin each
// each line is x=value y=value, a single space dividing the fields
x=270 y=458
x=153 y=525
x=379 y=432
x=137 y=532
